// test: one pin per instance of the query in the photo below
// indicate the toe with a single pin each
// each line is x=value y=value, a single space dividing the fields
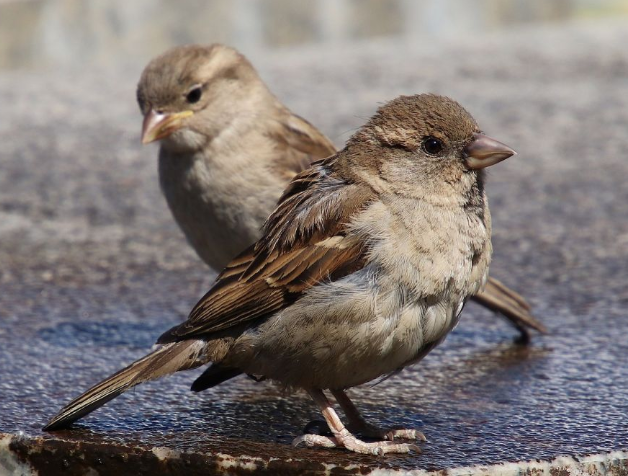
x=315 y=441
x=405 y=434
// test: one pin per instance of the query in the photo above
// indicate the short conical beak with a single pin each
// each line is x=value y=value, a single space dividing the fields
x=483 y=151
x=158 y=125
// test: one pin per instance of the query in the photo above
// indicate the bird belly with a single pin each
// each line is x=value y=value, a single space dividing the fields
x=343 y=334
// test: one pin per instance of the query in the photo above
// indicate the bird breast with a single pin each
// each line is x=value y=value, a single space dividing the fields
x=218 y=199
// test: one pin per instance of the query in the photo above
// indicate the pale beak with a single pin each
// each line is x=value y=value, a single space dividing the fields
x=158 y=125
x=483 y=151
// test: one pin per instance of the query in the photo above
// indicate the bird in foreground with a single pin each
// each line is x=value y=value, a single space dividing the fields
x=361 y=270
x=228 y=149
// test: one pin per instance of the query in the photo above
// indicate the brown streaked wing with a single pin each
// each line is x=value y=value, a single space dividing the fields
x=305 y=242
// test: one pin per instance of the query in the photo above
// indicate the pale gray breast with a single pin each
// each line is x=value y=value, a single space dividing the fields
x=219 y=208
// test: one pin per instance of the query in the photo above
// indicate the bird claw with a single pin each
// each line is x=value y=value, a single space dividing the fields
x=351 y=443
x=367 y=430
x=371 y=431
x=315 y=441
x=404 y=434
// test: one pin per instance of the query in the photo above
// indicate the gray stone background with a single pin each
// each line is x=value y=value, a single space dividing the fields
x=92 y=267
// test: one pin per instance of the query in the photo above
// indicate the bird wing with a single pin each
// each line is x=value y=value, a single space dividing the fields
x=302 y=144
x=305 y=241
x=306 y=138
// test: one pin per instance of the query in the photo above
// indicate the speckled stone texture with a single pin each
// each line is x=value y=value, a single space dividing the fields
x=92 y=269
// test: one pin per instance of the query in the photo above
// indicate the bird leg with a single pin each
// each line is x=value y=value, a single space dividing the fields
x=342 y=437
x=357 y=423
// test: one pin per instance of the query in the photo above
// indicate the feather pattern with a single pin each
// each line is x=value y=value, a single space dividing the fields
x=163 y=361
x=304 y=243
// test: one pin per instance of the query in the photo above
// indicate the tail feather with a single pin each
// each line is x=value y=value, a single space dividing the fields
x=499 y=298
x=163 y=361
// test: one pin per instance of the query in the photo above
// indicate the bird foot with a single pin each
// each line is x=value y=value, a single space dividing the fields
x=346 y=440
x=371 y=431
x=366 y=430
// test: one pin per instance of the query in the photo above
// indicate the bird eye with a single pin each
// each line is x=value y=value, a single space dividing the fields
x=194 y=95
x=432 y=146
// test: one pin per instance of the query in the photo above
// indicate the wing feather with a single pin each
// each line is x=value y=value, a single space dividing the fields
x=299 y=144
x=305 y=242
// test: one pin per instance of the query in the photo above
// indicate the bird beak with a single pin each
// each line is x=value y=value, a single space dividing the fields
x=483 y=151
x=159 y=125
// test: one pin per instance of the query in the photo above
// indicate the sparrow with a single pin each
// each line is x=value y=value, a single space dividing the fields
x=363 y=267
x=228 y=147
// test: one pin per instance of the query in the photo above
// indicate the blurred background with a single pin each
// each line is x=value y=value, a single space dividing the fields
x=36 y=34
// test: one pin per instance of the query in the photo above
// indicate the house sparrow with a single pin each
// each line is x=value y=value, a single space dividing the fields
x=362 y=269
x=228 y=149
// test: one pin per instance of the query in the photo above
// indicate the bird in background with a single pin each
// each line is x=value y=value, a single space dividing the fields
x=229 y=147
x=363 y=267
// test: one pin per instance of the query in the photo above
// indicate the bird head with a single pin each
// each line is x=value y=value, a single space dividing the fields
x=426 y=140
x=189 y=93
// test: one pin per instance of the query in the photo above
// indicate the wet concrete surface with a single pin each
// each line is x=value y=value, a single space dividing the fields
x=93 y=269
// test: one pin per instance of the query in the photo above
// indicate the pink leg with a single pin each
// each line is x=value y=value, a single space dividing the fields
x=343 y=438
x=358 y=424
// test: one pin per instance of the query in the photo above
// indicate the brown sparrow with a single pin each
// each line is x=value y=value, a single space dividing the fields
x=228 y=149
x=361 y=270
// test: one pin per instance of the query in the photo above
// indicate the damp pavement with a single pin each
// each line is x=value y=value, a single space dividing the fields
x=93 y=269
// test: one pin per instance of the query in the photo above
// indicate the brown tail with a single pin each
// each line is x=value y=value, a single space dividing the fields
x=499 y=298
x=163 y=361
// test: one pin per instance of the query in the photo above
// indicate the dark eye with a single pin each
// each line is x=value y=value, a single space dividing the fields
x=432 y=146
x=194 y=95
